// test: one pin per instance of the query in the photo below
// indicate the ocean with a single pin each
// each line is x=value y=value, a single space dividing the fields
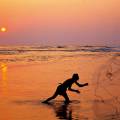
x=30 y=74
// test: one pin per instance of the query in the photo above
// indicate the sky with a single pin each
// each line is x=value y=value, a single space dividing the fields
x=60 y=22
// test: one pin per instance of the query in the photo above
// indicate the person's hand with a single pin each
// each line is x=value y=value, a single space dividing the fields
x=77 y=91
x=86 y=84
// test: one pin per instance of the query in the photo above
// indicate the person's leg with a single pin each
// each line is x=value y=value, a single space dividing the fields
x=66 y=97
x=52 y=97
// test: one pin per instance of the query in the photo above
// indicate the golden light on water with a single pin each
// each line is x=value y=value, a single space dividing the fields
x=3 y=29
x=4 y=78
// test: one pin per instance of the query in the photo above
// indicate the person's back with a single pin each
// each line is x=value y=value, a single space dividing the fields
x=68 y=83
x=62 y=88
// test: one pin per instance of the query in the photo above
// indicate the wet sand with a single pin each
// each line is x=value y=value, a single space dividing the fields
x=23 y=86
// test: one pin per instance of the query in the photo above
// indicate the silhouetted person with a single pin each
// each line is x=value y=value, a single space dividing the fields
x=66 y=85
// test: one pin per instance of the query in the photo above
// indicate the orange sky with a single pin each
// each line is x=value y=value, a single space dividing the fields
x=60 y=21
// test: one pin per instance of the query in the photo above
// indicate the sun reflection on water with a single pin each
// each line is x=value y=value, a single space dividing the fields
x=4 y=68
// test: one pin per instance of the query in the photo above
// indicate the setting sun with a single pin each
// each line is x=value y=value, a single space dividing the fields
x=3 y=29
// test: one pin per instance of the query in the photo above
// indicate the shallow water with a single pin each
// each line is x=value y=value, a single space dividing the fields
x=48 y=53
x=25 y=84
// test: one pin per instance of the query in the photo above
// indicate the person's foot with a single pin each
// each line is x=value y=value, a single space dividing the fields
x=66 y=102
x=45 y=101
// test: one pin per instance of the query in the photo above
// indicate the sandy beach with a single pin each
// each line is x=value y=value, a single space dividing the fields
x=59 y=59
x=25 y=84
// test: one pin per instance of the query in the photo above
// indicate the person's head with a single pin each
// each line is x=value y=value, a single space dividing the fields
x=75 y=77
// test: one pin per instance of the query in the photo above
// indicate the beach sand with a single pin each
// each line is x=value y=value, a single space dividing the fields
x=24 y=85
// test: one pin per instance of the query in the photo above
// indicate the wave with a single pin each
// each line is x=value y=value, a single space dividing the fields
x=19 y=49
x=47 y=53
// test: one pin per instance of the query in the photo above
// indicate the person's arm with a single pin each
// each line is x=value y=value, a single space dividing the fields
x=73 y=90
x=81 y=85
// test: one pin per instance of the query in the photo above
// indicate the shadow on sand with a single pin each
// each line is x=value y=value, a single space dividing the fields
x=66 y=111
x=75 y=111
